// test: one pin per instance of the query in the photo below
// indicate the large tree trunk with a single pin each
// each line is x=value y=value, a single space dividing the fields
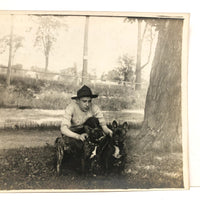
x=161 y=129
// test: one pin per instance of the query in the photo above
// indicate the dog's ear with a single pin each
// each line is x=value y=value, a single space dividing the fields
x=125 y=126
x=87 y=129
x=114 y=124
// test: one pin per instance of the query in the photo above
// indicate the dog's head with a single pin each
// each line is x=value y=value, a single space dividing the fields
x=92 y=122
x=95 y=135
x=119 y=131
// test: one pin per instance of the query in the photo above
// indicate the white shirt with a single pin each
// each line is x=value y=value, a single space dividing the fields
x=74 y=116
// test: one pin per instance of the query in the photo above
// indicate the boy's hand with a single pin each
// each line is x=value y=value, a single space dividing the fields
x=107 y=131
x=83 y=136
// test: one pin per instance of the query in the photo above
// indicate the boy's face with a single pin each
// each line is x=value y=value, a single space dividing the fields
x=85 y=103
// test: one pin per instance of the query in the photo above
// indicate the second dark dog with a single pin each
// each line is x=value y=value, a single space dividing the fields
x=112 y=151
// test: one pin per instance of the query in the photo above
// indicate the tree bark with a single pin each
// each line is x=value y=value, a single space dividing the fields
x=161 y=129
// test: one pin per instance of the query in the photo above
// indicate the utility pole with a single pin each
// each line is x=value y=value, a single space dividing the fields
x=138 y=64
x=10 y=52
x=85 y=53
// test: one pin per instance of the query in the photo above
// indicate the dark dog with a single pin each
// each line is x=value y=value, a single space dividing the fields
x=113 y=151
x=95 y=136
x=86 y=150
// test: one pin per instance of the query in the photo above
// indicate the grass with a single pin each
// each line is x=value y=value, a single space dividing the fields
x=153 y=169
x=45 y=94
x=33 y=167
x=27 y=156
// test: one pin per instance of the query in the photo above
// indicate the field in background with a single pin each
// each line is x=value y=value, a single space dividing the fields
x=46 y=94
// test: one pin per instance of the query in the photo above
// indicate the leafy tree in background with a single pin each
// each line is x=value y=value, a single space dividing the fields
x=144 y=35
x=123 y=73
x=112 y=75
x=47 y=34
x=126 y=68
x=17 y=42
x=10 y=43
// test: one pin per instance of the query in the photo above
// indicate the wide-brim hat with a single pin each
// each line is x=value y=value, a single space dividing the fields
x=85 y=91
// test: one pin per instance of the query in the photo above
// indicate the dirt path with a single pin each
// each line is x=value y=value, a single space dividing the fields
x=37 y=117
x=12 y=118
x=10 y=139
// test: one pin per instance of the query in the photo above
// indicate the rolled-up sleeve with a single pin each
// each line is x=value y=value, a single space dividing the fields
x=99 y=115
x=66 y=121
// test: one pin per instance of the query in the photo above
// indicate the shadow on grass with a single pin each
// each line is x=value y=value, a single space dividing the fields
x=34 y=168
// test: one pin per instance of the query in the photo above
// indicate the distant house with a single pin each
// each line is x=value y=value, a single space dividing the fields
x=16 y=70
x=69 y=75
x=104 y=82
x=39 y=73
x=31 y=74
x=57 y=77
x=3 y=69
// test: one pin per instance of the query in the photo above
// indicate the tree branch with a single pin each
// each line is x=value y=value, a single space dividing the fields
x=150 y=51
x=144 y=32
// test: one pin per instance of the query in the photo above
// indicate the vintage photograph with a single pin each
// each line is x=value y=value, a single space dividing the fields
x=93 y=101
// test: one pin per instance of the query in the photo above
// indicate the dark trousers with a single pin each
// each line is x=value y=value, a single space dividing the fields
x=73 y=145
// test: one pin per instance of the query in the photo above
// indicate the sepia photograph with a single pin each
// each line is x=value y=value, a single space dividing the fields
x=93 y=101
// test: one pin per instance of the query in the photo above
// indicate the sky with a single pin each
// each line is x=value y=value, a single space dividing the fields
x=108 y=39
